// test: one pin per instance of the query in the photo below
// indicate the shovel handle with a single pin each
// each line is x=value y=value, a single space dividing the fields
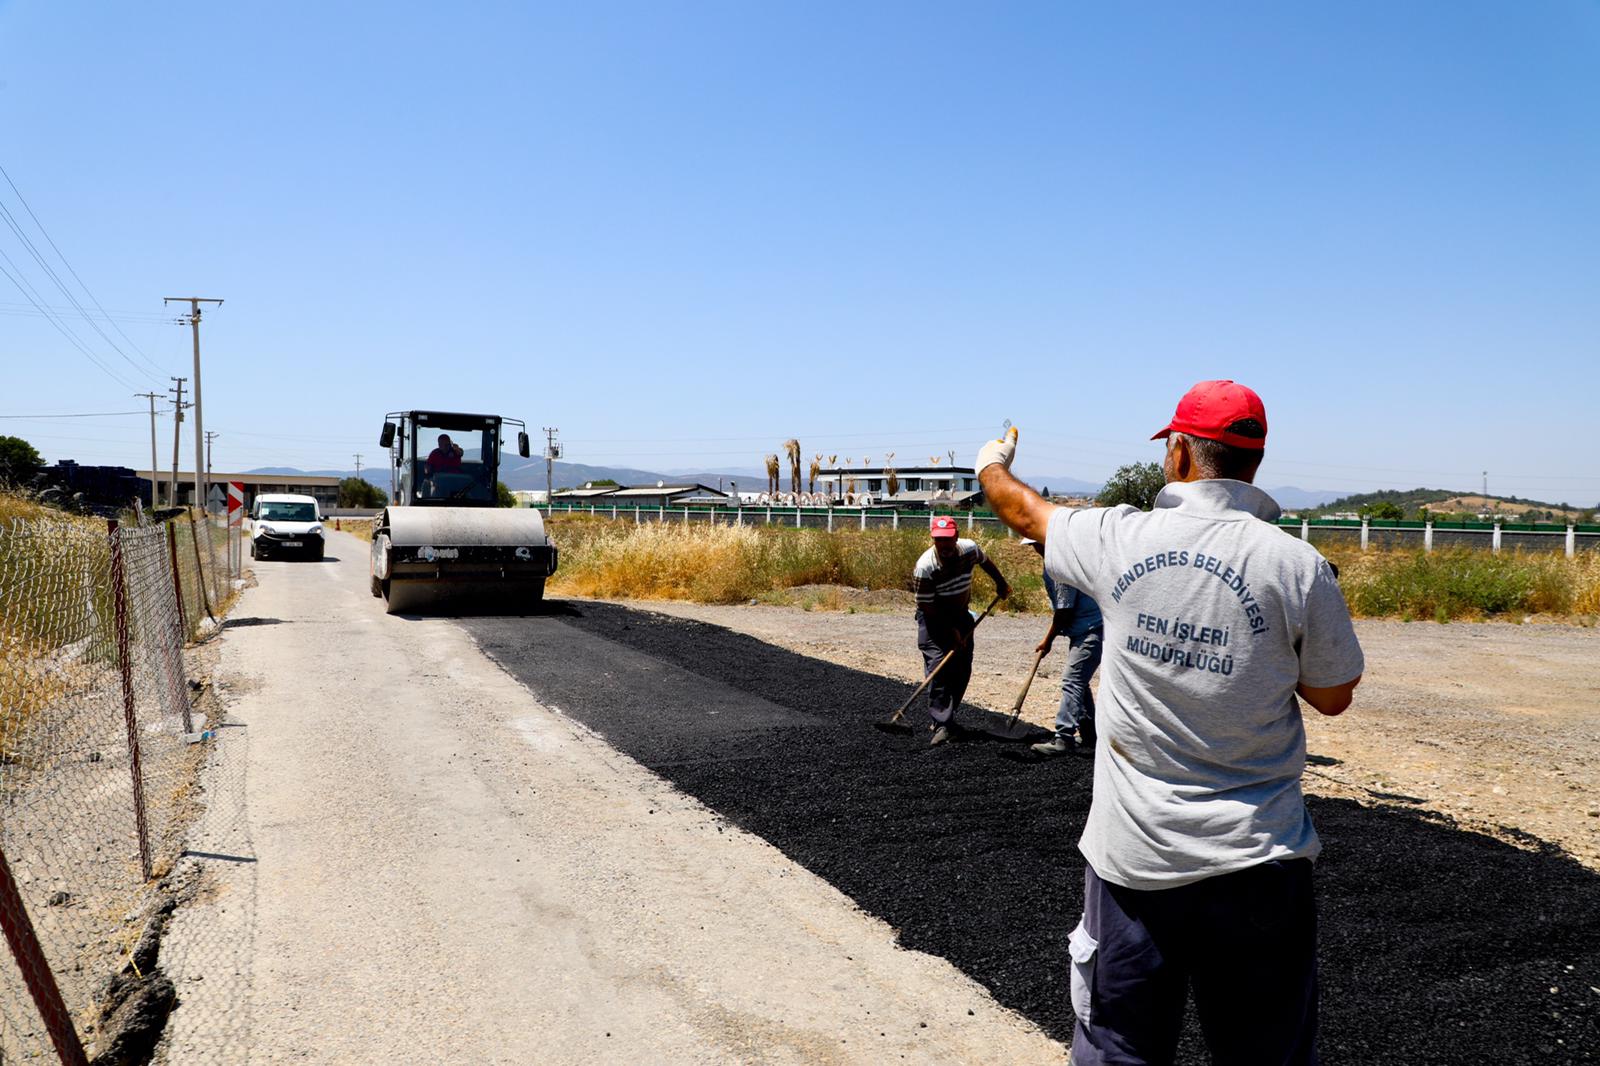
x=935 y=671
x=1016 y=708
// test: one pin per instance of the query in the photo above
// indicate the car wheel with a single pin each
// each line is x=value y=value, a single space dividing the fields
x=316 y=553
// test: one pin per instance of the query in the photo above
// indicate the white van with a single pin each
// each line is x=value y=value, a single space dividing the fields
x=281 y=523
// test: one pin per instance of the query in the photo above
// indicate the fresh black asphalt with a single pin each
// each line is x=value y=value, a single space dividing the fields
x=1438 y=945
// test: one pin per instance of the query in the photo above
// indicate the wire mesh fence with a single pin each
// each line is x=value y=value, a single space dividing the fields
x=99 y=747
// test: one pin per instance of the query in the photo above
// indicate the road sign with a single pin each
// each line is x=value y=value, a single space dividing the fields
x=235 y=502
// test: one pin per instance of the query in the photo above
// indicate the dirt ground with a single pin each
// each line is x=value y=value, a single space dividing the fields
x=1494 y=724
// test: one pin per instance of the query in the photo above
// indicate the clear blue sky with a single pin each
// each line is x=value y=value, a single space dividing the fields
x=683 y=232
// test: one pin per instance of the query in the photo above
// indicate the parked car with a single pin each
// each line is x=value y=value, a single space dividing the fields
x=281 y=523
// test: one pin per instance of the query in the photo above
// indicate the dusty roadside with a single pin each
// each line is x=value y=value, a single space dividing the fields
x=1493 y=724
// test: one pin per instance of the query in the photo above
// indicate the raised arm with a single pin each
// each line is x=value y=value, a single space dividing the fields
x=1017 y=505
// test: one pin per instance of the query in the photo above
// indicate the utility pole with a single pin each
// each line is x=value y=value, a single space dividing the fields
x=210 y=436
x=358 y=468
x=551 y=451
x=155 y=479
x=177 y=424
x=194 y=303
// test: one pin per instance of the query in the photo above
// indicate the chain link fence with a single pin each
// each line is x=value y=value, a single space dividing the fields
x=99 y=747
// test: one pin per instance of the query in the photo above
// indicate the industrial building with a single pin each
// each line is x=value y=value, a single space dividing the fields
x=324 y=489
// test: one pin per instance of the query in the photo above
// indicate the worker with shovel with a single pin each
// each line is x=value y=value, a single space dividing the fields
x=1076 y=616
x=943 y=583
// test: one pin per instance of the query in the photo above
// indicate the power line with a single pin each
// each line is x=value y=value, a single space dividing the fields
x=58 y=324
x=88 y=414
x=56 y=278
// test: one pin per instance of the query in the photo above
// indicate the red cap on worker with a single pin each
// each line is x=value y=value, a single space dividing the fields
x=943 y=527
x=1211 y=407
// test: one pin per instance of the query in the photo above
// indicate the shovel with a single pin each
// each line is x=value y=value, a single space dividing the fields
x=894 y=724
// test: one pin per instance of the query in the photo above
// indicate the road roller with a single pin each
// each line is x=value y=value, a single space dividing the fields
x=444 y=544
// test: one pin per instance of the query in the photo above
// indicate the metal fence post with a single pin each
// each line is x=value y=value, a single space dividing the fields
x=1305 y=530
x=35 y=969
x=661 y=519
x=177 y=581
x=1427 y=537
x=1572 y=540
x=969 y=521
x=830 y=518
x=205 y=597
x=1496 y=540
x=738 y=516
x=769 y=516
x=797 y=517
x=894 y=519
x=119 y=597
x=863 y=519
x=1363 y=534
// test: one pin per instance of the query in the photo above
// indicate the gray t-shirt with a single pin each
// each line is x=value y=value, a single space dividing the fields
x=1212 y=617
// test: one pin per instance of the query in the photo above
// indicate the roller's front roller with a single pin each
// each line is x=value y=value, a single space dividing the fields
x=458 y=560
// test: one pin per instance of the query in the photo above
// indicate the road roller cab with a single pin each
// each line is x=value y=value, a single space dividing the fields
x=444 y=542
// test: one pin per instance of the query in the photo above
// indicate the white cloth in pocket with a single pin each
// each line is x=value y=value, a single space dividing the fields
x=1082 y=947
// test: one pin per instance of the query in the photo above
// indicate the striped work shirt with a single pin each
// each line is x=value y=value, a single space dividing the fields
x=944 y=587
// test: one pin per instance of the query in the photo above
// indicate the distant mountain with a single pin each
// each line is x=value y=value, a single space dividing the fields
x=1448 y=501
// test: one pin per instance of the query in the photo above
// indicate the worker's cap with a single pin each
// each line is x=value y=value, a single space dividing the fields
x=943 y=527
x=1213 y=410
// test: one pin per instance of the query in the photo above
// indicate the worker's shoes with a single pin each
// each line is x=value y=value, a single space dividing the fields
x=943 y=733
x=1056 y=745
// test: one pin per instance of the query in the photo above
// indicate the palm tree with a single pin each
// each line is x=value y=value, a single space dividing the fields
x=792 y=448
x=772 y=474
x=816 y=468
x=891 y=480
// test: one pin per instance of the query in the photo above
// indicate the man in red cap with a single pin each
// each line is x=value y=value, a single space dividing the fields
x=1198 y=842
x=943 y=584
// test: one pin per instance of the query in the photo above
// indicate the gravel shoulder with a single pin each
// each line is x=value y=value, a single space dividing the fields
x=1493 y=724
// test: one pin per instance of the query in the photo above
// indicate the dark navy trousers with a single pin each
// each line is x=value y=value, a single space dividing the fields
x=1244 y=942
x=946 y=690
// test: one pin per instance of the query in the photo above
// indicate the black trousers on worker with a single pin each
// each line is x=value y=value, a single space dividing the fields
x=944 y=694
x=1245 y=942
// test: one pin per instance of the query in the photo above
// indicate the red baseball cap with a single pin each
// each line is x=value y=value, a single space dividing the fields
x=943 y=527
x=1208 y=409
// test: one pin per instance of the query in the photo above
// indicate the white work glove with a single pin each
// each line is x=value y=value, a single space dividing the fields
x=998 y=451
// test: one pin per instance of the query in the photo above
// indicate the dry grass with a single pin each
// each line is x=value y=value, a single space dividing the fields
x=360 y=528
x=1463 y=583
x=727 y=564
x=724 y=564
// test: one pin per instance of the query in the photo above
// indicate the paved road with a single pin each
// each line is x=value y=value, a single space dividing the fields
x=406 y=857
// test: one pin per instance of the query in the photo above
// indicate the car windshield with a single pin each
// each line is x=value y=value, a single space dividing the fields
x=288 y=512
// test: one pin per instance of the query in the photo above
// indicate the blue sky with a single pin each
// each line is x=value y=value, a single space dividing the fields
x=683 y=232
